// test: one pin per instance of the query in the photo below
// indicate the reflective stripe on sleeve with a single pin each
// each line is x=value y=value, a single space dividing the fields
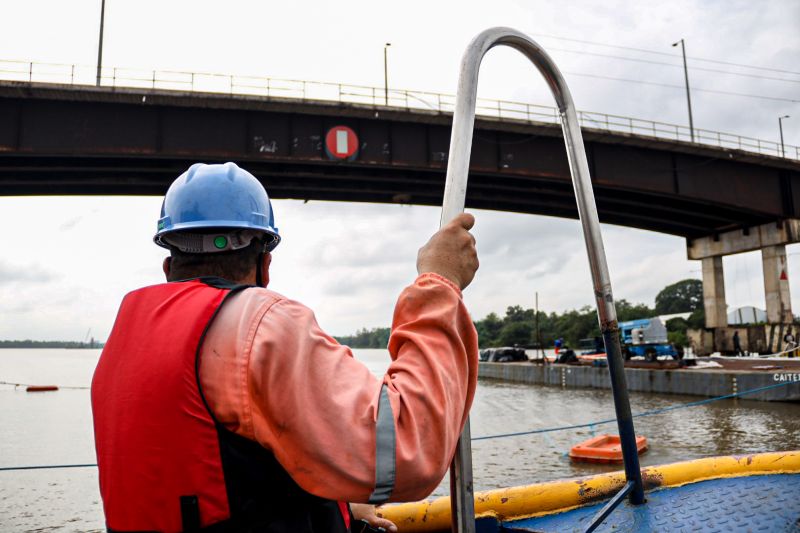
x=384 y=451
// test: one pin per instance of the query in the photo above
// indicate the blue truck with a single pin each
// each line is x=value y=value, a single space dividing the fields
x=646 y=337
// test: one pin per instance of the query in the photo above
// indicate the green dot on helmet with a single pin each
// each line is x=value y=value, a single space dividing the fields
x=220 y=242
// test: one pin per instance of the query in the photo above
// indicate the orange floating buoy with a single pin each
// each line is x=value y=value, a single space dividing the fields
x=41 y=388
x=603 y=449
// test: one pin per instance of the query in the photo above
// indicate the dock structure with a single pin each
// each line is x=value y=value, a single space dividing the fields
x=771 y=240
x=694 y=381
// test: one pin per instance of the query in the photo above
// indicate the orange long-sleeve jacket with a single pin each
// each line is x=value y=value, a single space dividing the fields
x=270 y=374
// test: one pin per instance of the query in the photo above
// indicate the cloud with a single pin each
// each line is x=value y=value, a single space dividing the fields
x=71 y=223
x=350 y=261
x=32 y=273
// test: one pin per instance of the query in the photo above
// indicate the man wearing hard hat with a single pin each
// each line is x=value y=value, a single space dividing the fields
x=220 y=405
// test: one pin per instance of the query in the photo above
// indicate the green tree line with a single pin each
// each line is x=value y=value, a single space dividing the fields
x=27 y=343
x=367 y=338
x=518 y=326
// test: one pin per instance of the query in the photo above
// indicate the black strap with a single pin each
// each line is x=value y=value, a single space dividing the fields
x=190 y=513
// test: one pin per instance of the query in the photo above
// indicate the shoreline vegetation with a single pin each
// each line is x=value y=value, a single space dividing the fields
x=27 y=343
x=518 y=326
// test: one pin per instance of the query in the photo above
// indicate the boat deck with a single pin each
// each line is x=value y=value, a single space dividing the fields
x=752 y=503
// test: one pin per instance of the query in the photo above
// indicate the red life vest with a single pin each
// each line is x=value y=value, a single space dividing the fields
x=165 y=463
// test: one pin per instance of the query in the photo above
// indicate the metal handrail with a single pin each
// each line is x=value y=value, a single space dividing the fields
x=251 y=85
x=455 y=192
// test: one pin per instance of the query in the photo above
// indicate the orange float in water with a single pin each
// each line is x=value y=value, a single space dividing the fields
x=603 y=449
x=41 y=388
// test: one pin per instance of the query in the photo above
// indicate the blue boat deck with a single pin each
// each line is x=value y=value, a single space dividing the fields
x=768 y=503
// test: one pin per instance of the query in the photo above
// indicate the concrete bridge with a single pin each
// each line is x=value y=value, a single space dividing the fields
x=66 y=138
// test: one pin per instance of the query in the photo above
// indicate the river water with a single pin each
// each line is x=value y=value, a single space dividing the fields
x=56 y=428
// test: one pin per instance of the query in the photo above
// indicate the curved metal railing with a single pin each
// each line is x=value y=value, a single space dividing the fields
x=421 y=101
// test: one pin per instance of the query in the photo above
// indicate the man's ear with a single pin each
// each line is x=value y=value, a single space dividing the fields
x=265 y=262
x=166 y=266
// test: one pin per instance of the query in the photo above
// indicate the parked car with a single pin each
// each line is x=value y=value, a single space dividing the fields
x=503 y=355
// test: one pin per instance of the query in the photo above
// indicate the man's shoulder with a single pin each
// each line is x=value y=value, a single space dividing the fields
x=259 y=297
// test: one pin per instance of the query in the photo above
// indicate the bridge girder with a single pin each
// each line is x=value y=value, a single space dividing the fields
x=61 y=141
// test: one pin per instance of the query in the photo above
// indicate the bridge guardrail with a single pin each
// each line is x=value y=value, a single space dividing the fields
x=244 y=85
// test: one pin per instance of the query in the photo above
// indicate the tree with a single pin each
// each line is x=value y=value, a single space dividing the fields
x=516 y=313
x=681 y=297
x=516 y=333
x=697 y=320
x=629 y=311
x=489 y=330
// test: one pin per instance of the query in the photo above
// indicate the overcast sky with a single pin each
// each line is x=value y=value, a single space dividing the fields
x=69 y=260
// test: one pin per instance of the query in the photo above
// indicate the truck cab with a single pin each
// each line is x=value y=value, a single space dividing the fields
x=646 y=337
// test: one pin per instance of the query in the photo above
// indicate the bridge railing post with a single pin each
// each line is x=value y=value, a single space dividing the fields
x=72 y=75
x=114 y=78
x=30 y=72
x=191 y=82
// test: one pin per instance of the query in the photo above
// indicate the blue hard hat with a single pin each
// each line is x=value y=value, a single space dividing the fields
x=218 y=198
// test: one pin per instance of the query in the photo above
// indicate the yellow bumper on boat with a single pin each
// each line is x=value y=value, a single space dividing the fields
x=558 y=496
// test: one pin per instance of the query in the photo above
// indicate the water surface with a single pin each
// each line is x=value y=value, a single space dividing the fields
x=56 y=428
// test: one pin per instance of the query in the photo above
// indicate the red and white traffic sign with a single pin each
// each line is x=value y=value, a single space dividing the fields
x=341 y=143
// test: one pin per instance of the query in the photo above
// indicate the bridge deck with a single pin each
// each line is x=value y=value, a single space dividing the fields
x=78 y=140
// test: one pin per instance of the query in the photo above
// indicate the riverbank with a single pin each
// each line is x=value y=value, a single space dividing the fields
x=686 y=381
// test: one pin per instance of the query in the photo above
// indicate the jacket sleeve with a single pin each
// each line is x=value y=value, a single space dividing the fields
x=341 y=432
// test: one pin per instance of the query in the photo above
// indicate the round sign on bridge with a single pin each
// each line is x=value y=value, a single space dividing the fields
x=341 y=143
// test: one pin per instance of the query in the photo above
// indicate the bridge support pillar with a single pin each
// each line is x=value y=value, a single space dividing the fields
x=771 y=239
x=776 y=285
x=714 y=293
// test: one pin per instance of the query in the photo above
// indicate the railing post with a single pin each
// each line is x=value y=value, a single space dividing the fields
x=630 y=123
x=30 y=72
x=154 y=79
x=191 y=84
x=231 y=80
x=72 y=75
x=114 y=79
x=439 y=102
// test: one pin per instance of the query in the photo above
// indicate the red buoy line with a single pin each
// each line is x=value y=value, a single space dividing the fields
x=40 y=388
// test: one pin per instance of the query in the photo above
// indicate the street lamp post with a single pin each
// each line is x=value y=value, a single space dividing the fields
x=688 y=97
x=100 y=46
x=386 y=74
x=780 y=127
